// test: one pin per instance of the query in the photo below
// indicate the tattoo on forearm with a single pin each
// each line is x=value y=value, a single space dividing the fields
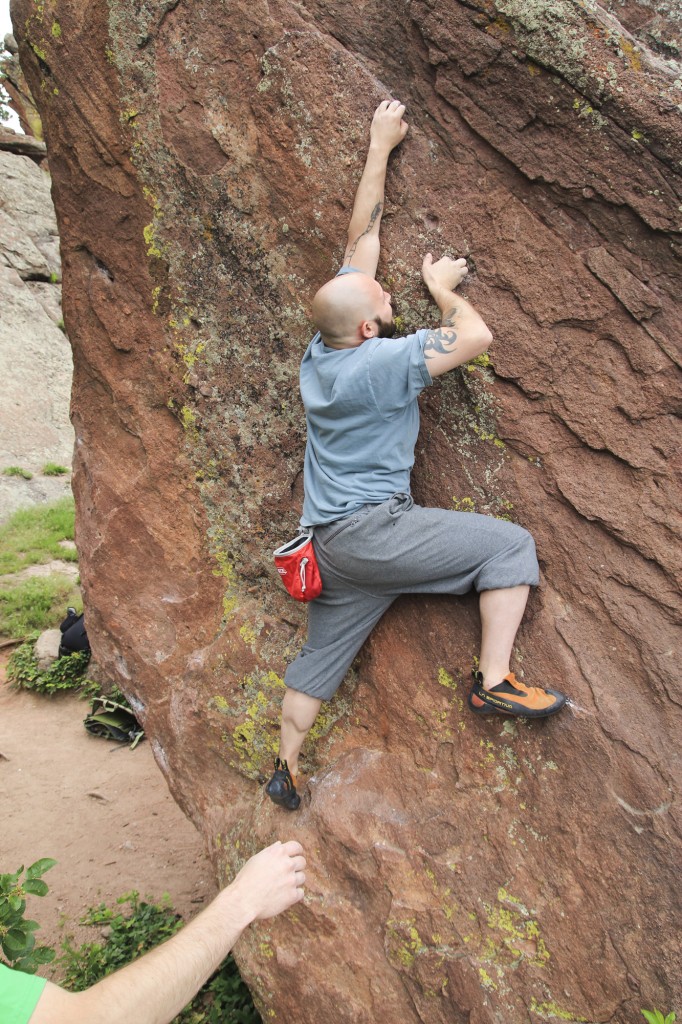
x=440 y=342
x=450 y=318
x=376 y=213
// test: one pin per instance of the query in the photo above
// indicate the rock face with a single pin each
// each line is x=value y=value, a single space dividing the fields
x=35 y=355
x=20 y=98
x=204 y=160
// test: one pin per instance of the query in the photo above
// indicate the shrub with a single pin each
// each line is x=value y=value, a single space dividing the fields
x=66 y=673
x=17 y=471
x=52 y=469
x=224 y=999
x=17 y=934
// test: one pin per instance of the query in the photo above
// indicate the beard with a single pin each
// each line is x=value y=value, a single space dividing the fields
x=385 y=328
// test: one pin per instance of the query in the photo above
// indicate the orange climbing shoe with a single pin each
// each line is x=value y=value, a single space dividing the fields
x=282 y=787
x=510 y=697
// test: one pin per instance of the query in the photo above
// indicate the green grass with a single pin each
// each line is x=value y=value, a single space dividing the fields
x=17 y=471
x=36 y=604
x=53 y=469
x=32 y=536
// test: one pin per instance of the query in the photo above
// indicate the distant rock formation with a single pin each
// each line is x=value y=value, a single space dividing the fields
x=205 y=158
x=21 y=101
x=23 y=145
x=35 y=355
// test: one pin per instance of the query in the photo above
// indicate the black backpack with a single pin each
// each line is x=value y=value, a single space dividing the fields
x=74 y=637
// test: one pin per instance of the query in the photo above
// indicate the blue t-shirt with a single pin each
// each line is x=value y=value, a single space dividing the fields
x=19 y=995
x=363 y=421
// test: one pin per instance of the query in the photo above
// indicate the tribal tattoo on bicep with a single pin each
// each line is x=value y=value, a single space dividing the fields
x=376 y=213
x=441 y=341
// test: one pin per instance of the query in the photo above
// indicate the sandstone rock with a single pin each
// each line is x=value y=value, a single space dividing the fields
x=633 y=293
x=24 y=145
x=203 y=172
x=49 y=298
x=28 y=218
x=21 y=100
x=47 y=648
x=19 y=252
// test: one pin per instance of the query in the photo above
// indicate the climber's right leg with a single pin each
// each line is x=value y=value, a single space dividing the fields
x=339 y=621
x=299 y=712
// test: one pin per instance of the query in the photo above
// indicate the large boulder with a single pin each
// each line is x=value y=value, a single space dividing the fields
x=35 y=355
x=204 y=160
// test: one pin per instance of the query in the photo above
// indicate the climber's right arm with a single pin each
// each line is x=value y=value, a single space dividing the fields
x=387 y=131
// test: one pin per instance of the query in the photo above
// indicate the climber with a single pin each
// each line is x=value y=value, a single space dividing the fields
x=155 y=987
x=372 y=542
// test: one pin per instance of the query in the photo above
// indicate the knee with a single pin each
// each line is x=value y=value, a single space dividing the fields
x=524 y=549
x=527 y=543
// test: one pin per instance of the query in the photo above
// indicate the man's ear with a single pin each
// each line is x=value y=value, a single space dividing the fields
x=369 y=329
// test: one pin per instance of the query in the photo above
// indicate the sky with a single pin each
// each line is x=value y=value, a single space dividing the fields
x=5 y=23
x=5 y=27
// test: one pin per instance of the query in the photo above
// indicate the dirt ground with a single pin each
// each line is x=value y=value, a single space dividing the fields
x=101 y=810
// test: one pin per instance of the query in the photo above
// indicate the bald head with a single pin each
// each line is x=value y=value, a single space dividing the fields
x=346 y=308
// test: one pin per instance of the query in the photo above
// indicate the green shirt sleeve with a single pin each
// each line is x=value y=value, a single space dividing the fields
x=19 y=995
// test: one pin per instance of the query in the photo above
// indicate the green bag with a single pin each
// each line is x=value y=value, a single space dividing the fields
x=113 y=721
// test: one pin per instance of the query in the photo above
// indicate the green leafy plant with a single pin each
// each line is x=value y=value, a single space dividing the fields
x=5 y=113
x=224 y=999
x=53 y=469
x=134 y=930
x=144 y=926
x=17 y=933
x=17 y=471
x=66 y=673
x=656 y=1017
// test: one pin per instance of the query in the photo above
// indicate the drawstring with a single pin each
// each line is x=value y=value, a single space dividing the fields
x=304 y=562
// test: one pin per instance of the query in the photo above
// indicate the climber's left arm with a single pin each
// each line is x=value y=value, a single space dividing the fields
x=388 y=129
x=462 y=334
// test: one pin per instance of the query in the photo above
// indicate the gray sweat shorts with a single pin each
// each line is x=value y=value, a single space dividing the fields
x=381 y=551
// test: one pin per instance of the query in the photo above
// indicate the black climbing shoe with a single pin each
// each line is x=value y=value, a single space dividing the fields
x=282 y=787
